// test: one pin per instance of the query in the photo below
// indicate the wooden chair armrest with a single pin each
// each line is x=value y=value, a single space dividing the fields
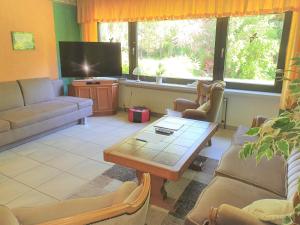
x=108 y=212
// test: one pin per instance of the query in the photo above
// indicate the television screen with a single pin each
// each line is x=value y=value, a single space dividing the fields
x=90 y=59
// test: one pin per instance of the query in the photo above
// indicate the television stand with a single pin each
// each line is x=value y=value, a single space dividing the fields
x=103 y=92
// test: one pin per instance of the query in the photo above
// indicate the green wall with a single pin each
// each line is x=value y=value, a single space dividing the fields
x=66 y=29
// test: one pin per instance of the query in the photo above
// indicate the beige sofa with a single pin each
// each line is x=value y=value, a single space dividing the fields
x=34 y=106
x=238 y=183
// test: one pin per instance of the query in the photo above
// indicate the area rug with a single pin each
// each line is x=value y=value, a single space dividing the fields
x=185 y=191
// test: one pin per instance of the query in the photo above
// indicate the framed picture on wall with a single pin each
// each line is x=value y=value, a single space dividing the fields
x=22 y=40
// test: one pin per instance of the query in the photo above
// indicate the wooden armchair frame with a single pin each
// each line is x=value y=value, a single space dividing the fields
x=108 y=212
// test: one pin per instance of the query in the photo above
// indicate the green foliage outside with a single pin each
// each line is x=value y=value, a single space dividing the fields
x=185 y=48
x=117 y=32
x=252 y=47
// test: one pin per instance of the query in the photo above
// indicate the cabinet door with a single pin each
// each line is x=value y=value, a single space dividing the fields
x=115 y=96
x=83 y=92
x=104 y=97
x=87 y=92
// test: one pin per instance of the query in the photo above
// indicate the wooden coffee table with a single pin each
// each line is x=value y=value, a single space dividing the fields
x=164 y=157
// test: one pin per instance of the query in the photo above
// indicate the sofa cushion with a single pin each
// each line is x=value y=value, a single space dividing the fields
x=4 y=126
x=37 y=112
x=81 y=102
x=13 y=96
x=268 y=174
x=7 y=217
x=36 y=90
x=224 y=190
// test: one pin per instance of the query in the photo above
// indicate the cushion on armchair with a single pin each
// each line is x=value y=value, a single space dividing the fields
x=229 y=215
x=270 y=210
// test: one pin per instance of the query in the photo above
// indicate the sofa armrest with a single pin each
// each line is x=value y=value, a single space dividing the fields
x=194 y=114
x=58 y=87
x=228 y=215
x=181 y=104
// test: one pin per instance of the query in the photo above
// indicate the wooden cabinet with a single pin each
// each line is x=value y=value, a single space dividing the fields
x=104 y=94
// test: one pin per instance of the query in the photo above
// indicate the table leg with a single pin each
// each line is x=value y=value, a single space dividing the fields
x=158 y=192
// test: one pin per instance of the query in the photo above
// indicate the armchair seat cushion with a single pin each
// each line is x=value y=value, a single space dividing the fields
x=268 y=174
x=37 y=112
x=224 y=190
x=81 y=102
x=204 y=107
x=181 y=104
x=4 y=126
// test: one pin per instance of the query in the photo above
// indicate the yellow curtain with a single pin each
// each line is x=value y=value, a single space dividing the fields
x=92 y=11
x=141 y=10
x=292 y=51
x=89 y=31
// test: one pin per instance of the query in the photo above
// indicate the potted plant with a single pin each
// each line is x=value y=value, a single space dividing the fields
x=280 y=136
x=159 y=72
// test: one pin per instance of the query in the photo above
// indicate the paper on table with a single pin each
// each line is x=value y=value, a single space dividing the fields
x=150 y=137
x=170 y=124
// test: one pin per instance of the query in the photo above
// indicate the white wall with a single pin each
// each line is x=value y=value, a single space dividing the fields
x=242 y=106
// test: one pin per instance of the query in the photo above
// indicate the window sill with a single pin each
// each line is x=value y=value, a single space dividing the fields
x=192 y=89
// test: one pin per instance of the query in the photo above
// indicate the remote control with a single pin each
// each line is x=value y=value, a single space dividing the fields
x=164 y=131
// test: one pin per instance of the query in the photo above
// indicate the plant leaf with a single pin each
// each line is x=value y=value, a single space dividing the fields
x=280 y=122
x=283 y=147
x=287 y=220
x=297 y=209
x=269 y=154
x=253 y=131
x=247 y=150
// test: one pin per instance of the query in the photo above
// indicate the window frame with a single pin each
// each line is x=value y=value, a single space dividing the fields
x=219 y=57
x=276 y=88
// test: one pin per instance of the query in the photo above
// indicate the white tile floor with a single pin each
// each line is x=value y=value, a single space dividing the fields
x=51 y=168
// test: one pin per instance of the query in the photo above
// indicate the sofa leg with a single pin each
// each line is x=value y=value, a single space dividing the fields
x=83 y=121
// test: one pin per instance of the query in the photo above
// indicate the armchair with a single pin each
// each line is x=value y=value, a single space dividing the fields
x=207 y=105
x=128 y=205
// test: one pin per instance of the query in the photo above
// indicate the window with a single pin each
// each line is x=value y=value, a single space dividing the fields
x=179 y=49
x=247 y=52
x=253 y=45
x=116 y=32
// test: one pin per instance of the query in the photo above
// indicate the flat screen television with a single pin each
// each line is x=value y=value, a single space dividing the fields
x=90 y=59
